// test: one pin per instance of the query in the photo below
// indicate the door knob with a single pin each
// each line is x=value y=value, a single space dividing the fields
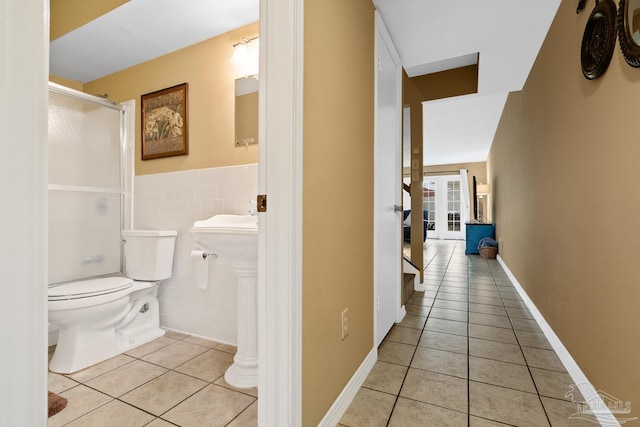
x=397 y=208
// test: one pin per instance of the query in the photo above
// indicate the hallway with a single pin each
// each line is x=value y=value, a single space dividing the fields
x=468 y=353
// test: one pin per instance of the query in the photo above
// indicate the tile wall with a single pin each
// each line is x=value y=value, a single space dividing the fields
x=173 y=201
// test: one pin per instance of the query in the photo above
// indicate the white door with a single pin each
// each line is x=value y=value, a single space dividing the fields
x=443 y=204
x=430 y=206
x=453 y=203
x=387 y=184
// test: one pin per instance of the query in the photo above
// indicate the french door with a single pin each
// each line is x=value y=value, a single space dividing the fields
x=442 y=205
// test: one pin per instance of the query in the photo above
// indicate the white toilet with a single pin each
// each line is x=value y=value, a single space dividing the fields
x=102 y=317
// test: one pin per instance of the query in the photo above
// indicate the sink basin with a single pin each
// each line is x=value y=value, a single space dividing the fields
x=234 y=237
x=229 y=221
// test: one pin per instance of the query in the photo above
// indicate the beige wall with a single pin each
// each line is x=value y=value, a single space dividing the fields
x=563 y=170
x=205 y=67
x=73 y=84
x=338 y=197
x=67 y=15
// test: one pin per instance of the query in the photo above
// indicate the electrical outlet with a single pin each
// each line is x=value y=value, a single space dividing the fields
x=345 y=323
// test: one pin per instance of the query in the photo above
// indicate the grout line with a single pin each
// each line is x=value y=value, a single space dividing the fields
x=168 y=370
x=527 y=364
x=468 y=345
x=416 y=346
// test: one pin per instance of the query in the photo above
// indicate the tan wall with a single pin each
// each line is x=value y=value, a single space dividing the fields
x=477 y=169
x=563 y=170
x=415 y=91
x=73 y=84
x=205 y=67
x=67 y=15
x=444 y=84
x=338 y=197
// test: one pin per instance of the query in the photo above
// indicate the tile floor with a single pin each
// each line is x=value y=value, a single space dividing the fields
x=468 y=353
x=175 y=380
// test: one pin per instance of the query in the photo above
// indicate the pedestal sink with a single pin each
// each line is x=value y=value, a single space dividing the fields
x=235 y=238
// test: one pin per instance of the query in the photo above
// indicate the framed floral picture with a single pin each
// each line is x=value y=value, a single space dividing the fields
x=164 y=123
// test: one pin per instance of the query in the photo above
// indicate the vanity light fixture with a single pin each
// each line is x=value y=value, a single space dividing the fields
x=245 y=57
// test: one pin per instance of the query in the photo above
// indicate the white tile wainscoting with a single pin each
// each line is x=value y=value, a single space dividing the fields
x=173 y=201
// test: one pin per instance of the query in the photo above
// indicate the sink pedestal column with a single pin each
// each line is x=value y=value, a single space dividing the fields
x=244 y=371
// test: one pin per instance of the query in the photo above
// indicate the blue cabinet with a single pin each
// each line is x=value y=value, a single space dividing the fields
x=477 y=232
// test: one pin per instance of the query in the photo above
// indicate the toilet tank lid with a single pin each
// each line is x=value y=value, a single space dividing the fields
x=148 y=233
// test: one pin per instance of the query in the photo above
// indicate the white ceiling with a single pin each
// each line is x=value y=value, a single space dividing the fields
x=502 y=36
x=433 y=36
x=141 y=30
x=463 y=127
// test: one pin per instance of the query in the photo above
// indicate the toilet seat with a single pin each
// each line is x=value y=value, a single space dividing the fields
x=88 y=288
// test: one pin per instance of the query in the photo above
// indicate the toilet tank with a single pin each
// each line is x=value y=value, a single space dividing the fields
x=148 y=254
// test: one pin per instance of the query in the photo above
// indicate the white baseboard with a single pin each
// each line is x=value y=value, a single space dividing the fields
x=340 y=406
x=591 y=396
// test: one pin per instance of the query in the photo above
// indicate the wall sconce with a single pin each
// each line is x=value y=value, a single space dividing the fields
x=245 y=58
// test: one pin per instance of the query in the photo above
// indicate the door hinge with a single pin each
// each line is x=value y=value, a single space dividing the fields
x=262 y=203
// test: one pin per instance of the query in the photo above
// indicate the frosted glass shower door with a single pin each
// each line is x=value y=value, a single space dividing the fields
x=85 y=191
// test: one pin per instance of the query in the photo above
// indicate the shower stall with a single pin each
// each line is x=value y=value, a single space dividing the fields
x=90 y=152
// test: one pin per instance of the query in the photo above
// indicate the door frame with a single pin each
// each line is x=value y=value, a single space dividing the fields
x=23 y=223
x=393 y=287
x=280 y=277
x=280 y=177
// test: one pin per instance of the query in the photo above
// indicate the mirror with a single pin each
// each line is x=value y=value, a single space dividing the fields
x=629 y=31
x=246 y=111
x=634 y=20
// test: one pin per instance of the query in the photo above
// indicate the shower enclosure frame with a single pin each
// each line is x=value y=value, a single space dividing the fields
x=126 y=150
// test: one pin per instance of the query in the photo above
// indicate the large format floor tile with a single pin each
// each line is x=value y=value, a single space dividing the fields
x=386 y=377
x=104 y=415
x=437 y=389
x=443 y=362
x=152 y=396
x=506 y=405
x=212 y=406
x=126 y=378
x=180 y=382
x=369 y=408
x=81 y=400
x=410 y=412
x=472 y=356
x=441 y=341
x=468 y=353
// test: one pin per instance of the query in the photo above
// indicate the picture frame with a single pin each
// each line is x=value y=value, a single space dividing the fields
x=165 y=130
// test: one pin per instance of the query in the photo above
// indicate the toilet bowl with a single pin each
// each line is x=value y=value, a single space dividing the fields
x=99 y=318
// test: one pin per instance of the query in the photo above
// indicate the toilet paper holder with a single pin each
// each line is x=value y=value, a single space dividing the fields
x=204 y=254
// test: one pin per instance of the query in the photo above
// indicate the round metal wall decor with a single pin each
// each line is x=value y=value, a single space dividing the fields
x=599 y=39
x=629 y=33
